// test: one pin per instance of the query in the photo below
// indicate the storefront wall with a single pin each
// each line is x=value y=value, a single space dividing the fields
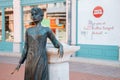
x=43 y=4
x=17 y=6
x=98 y=30
x=6 y=44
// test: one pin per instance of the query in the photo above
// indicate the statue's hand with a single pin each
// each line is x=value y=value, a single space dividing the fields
x=17 y=68
x=61 y=52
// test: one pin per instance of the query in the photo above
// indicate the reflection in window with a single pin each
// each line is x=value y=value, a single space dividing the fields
x=9 y=27
x=0 y=26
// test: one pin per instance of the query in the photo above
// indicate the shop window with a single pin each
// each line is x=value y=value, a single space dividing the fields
x=54 y=17
x=0 y=26
x=27 y=22
x=57 y=17
x=26 y=18
x=9 y=27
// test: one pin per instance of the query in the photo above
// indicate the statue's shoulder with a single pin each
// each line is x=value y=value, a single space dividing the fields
x=28 y=30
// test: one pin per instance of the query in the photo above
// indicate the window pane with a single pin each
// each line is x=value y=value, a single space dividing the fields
x=57 y=16
x=54 y=17
x=9 y=27
x=0 y=26
x=27 y=19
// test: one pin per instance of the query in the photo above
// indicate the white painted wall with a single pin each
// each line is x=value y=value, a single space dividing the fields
x=17 y=25
x=73 y=33
x=104 y=30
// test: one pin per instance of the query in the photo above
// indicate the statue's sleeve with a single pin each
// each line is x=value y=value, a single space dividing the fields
x=25 y=49
x=53 y=39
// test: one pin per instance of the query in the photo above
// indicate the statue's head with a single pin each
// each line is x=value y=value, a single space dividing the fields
x=37 y=14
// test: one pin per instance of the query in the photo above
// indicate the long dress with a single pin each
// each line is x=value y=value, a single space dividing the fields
x=36 y=67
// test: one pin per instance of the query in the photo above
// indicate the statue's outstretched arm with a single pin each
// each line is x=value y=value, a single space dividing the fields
x=56 y=43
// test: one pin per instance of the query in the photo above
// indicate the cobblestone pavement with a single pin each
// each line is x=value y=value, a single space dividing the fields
x=78 y=71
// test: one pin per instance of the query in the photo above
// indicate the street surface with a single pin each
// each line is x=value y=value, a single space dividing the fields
x=78 y=71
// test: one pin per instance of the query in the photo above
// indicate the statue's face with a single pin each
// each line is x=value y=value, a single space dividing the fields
x=36 y=16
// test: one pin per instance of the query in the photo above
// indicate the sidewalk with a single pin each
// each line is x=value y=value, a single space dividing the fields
x=78 y=70
x=85 y=71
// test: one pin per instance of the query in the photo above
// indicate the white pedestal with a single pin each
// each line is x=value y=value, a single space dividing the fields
x=59 y=71
x=59 y=67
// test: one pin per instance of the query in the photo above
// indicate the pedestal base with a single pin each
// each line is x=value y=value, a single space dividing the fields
x=59 y=71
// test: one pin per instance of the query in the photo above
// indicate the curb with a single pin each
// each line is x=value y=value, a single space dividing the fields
x=10 y=54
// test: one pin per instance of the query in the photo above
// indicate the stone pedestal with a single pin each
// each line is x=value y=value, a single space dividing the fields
x=59 y=67
x=59 y=71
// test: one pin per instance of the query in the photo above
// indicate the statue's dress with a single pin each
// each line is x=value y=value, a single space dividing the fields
x=36 y=67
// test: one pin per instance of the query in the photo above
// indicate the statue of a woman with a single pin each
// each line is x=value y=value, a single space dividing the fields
x=36 y=67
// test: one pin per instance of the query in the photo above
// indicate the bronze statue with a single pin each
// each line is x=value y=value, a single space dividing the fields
x=36 y=67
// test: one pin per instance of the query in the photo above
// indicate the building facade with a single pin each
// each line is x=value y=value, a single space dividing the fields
x=97 y=29
x=92 y=25
x=15 y=19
